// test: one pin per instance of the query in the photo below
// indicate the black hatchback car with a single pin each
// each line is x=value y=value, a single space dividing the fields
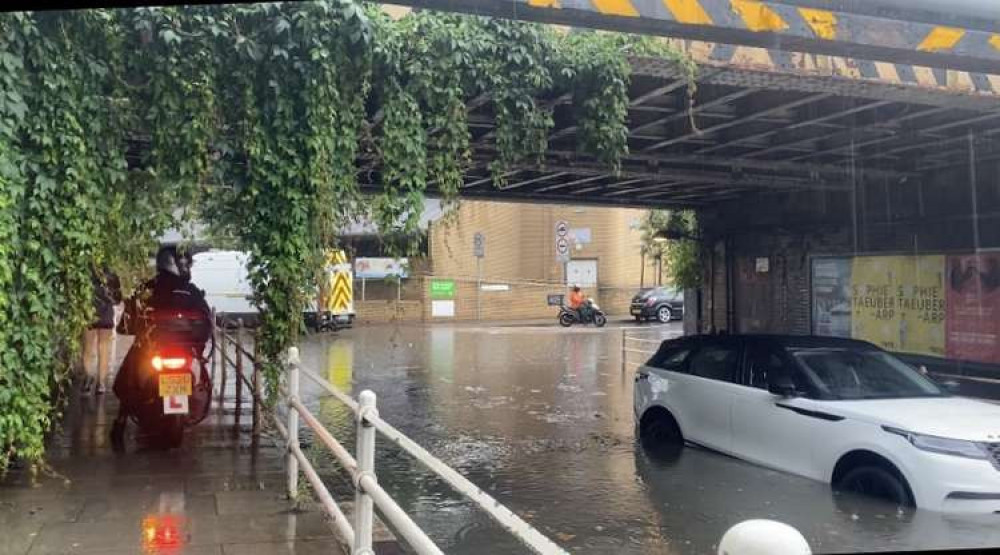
x=660 y=303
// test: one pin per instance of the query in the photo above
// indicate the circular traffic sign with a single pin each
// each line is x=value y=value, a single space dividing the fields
x=562 y=228
x=562 y=246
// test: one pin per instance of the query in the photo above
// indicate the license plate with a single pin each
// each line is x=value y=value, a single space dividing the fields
x=175 y=384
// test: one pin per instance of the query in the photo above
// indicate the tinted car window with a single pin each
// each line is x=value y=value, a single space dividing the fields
x=670 y=357
x=864 y=374
x=715 y=362
x=765 y=361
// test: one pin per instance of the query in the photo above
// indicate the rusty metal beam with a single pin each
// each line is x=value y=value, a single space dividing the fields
x=575 y=182
x=539 y=179
x=796 y=125
x=698 y=108
x=740 y=120
x=763 y=23
x=919 y=132
x=720 y=177
x=888 y=126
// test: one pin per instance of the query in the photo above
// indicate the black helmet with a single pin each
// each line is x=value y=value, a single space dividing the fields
x=166 y=261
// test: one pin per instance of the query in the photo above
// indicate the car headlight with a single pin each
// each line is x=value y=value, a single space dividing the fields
x=944 y=445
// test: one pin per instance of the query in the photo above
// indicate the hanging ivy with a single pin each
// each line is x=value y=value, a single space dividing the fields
x=116 y=125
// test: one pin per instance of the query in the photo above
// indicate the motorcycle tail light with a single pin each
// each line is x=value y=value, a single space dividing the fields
x=168 y=363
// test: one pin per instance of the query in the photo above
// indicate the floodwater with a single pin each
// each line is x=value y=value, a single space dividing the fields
x=541 y=419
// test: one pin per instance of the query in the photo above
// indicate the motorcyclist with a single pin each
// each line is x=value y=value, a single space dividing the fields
x=578 y=302
x=170 y=291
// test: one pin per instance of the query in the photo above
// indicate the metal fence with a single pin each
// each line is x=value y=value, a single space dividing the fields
x=231 y=352
x=639 y=345
x=361 y=468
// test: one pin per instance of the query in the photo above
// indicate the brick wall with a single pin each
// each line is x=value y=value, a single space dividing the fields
x=377 y=312
x=520 y=242
x=933 y=215
x=521 y=301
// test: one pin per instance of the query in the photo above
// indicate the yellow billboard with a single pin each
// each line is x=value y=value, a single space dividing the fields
x=898 y=302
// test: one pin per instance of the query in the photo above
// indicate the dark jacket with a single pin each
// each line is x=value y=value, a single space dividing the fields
x=167 y=294
x=107 y=293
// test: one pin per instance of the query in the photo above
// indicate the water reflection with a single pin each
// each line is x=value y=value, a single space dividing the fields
x=543 y=422
x=165 y=531
x=339 y=372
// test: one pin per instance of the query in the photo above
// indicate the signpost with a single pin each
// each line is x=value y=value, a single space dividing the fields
x=479 y=245
x=479 y=250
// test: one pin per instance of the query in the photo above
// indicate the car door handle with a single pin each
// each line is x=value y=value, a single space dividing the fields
x=811 y=413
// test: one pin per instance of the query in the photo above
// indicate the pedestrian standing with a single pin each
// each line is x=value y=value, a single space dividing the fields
x=99 y=339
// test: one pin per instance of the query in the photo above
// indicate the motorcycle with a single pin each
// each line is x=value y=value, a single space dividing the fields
x=171 y=388
x=594 y=315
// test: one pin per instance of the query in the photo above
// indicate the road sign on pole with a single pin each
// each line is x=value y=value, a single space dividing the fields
x=562 y=228
x=479 y=245
x=562 y=249
x=562 y=241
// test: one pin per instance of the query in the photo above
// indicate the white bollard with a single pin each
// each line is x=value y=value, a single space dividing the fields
x=763 y=537
x=293 y=422
x=363 y=505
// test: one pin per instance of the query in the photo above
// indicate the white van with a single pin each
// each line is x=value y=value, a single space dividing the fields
x=223 y=277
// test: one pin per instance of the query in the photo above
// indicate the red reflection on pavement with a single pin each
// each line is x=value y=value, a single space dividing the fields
x=162 y=534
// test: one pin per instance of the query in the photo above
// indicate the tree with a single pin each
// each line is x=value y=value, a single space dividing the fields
x=679 y=260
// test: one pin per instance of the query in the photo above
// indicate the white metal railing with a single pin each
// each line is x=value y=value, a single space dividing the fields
x=636 y=349
x=361 y=468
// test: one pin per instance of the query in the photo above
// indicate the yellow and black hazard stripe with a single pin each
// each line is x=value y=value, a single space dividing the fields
x=967 y=57
x=342 y=293
x=336 y=257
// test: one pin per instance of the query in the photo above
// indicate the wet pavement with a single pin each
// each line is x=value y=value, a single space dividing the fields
x=538 y=416
x=219 y=494
x=541 y=418
x=215 y=495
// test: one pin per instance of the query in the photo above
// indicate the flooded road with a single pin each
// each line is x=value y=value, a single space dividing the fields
x=541 y=418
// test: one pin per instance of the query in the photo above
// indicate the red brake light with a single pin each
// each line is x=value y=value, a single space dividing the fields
x=168 y=363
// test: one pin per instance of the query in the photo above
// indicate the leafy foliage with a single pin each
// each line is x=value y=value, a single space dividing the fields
x=681 y=258
x=117 y=125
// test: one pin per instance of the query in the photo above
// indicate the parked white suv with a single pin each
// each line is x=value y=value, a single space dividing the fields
x=835 y=410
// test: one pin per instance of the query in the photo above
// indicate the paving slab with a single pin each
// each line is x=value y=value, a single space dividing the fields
x=218 y=489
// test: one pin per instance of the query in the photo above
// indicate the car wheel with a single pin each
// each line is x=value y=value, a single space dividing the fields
x=658 y=427
x=878 y=482
x=663 y=314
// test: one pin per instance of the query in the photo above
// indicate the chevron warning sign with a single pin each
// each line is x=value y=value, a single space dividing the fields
x=336 y=257
x=342 y=295
x=339 y=286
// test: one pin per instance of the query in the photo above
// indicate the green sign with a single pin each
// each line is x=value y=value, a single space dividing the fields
x=442 y=289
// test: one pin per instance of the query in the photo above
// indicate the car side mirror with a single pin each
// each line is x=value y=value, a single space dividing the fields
x=781 y=384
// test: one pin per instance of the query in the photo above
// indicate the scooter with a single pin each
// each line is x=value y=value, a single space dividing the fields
x=569 y=316
x=172 y=389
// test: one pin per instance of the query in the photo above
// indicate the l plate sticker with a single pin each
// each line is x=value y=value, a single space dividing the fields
x=175 y=404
